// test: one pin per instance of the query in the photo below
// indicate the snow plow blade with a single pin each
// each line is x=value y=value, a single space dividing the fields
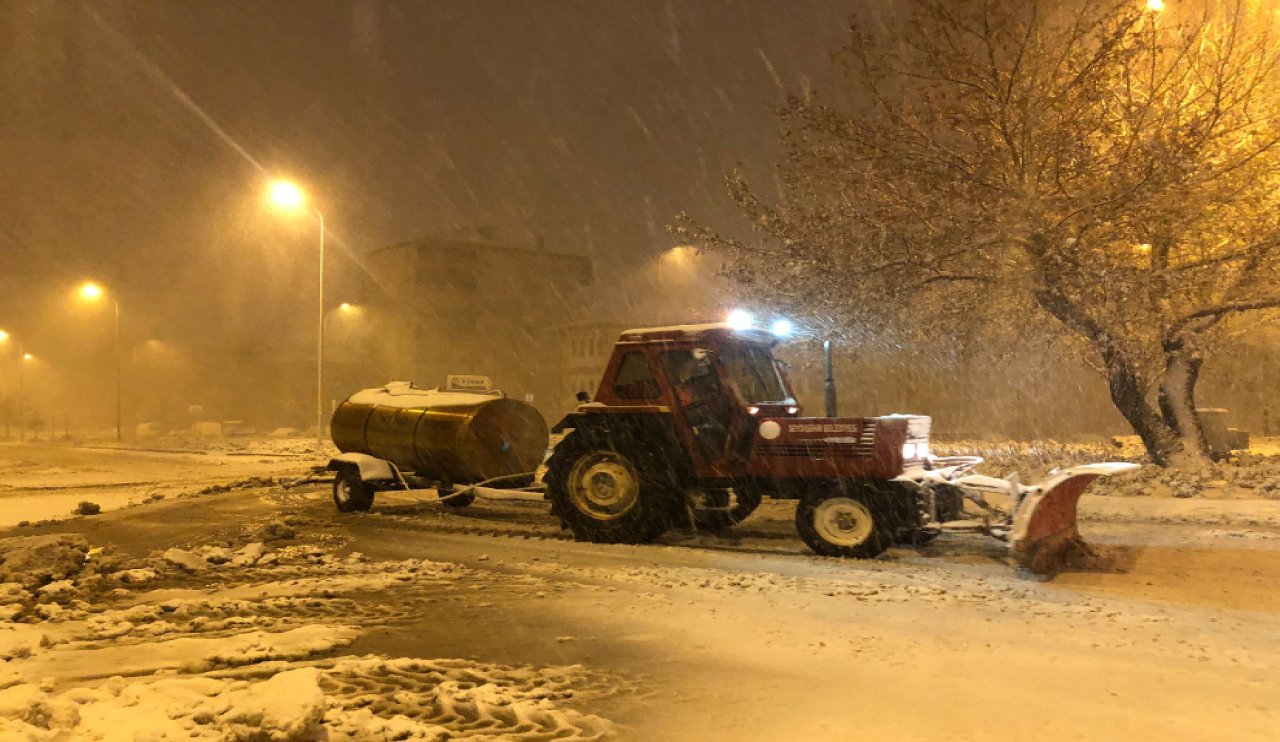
x=1044 y=530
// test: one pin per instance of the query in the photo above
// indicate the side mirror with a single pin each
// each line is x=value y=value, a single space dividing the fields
x=582 y=397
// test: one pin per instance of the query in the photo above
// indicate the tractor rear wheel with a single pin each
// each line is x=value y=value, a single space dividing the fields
x=351 y=493
x=843 y=523
x=607 y=496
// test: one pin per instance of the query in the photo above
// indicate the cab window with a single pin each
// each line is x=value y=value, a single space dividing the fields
x=634 y=379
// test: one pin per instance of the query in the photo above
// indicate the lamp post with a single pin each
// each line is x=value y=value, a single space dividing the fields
x=23 y=358
x=92 y=292
x=288 y=196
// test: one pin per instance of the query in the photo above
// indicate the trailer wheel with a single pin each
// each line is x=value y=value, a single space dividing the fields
x=842 y=524
x=606 y=496
x=718 y=520
x=351 y=493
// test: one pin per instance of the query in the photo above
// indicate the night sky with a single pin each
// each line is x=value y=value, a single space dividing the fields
x=591 y=123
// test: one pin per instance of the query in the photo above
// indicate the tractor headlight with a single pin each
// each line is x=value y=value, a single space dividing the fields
x=909 y=451
x=770 y=429
x=915 y=450
x=753 y=410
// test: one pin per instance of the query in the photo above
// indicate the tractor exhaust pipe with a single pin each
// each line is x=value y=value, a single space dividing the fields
x=829 y=388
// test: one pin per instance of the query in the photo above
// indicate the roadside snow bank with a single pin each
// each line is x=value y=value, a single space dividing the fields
x=287 y=706
x=354 y=698
x=1246 y=475
x=33 y=561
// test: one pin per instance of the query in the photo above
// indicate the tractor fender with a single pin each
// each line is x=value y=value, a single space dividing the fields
x=648 y=433
x=368 y=468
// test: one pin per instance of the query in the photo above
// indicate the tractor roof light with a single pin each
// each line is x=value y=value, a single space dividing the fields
x=740 y=319
x=782 y=327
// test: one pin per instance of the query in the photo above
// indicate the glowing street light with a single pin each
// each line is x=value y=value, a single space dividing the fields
x=1155 y=6
x=92 y=292
x=288 y=196
x=28 y=357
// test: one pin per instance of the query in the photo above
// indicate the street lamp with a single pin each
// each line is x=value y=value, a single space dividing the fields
x=1155 y=6
x=287 y=196
x=93 y=293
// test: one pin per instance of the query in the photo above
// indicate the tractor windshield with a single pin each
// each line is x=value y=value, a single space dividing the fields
x=755 y=374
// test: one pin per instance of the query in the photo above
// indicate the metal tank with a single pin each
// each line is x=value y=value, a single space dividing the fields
x=444 y=436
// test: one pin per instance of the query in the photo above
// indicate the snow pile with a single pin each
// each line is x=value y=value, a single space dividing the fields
x=230 y=641
x=368 y=698
x=33 y=561
x=418 y=699
x=287 y=706
x=1245 y=476
x=1033 y=460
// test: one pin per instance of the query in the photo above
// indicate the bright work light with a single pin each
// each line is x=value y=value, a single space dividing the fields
x=740 y=319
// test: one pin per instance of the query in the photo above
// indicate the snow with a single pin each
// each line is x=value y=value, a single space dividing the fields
x=198 y=653
x=682 y=329
x=289 y=705
x=245 y=658
x=402 y=394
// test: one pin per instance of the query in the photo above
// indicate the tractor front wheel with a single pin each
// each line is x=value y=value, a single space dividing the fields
x=605 y=496
x=838 y=523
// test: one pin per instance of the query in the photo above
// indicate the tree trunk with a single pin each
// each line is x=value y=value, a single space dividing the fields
x=1178 y=406
x=1129 y=397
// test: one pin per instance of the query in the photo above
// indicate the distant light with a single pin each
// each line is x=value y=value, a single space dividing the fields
x=90 y=291
x=346 y=307
x=28 y=357
x=1155 y=5
x=4 y=336
x=782 y=327
x=740 y=319
x=286 y=195
x=1144 y=248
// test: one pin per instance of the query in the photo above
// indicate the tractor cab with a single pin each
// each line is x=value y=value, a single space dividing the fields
x=716 y=381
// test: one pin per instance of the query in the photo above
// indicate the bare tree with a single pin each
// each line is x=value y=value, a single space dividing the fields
x=1088 y=168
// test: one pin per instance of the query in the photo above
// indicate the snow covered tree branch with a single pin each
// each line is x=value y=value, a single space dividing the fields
x=1089 y=167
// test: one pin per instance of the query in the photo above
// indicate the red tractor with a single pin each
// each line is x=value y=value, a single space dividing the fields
x=699 y=421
